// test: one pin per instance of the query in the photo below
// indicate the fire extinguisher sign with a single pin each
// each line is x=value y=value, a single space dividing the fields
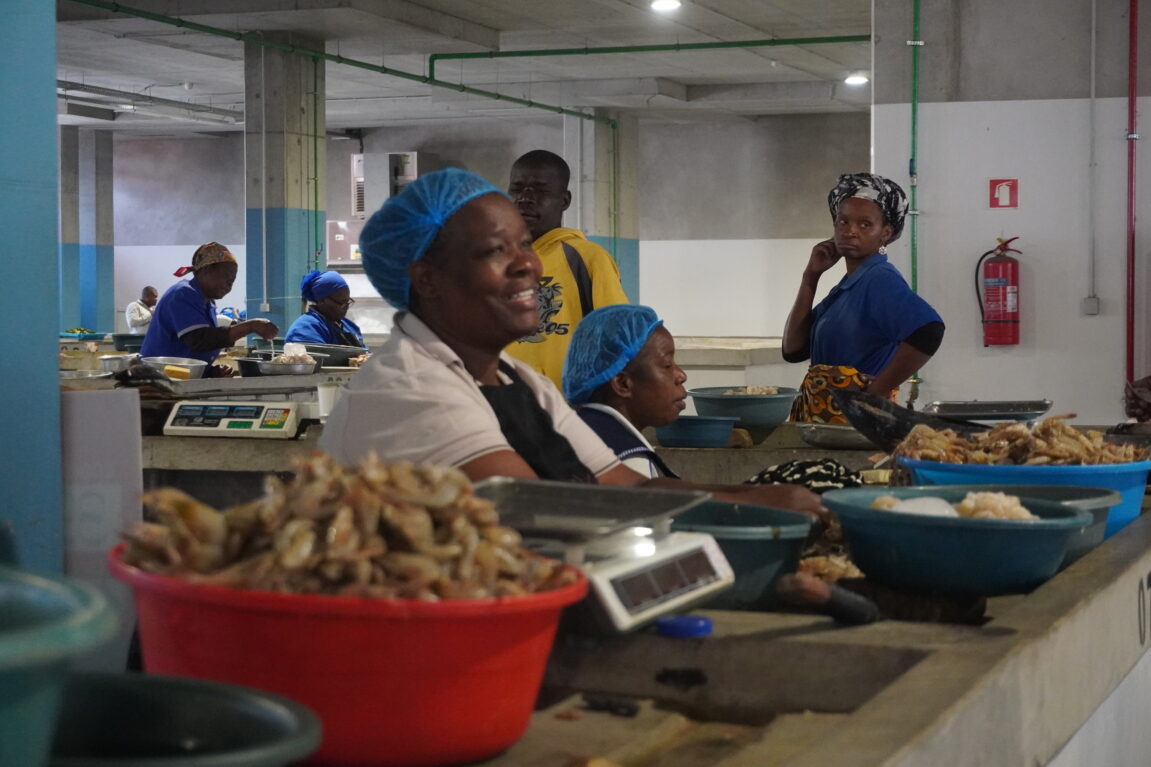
x=1003 y=192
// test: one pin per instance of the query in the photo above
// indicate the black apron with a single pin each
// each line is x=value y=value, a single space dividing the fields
x=530 y=431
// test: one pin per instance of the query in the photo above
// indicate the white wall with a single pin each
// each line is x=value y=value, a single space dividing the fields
x=725 y=287
x=1074 y=360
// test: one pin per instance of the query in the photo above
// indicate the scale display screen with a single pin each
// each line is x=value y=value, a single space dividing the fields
x=639 y=591
x=233 y=419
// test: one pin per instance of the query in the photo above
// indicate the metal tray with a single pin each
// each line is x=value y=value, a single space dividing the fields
x=991 y=410
x=833 y=436
x=575 y=512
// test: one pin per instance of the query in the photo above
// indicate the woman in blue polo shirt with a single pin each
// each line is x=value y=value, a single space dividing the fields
x=326 y=321
x=184 y=321
x=871 y=332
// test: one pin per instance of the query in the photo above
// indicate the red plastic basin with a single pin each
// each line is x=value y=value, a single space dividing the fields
x=395 y=682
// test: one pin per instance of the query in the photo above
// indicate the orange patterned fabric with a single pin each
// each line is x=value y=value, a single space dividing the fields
x=815 y=404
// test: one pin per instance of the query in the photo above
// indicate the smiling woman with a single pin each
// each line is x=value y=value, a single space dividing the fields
x=454 y=255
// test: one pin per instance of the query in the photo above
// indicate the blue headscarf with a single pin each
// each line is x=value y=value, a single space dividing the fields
x=317 y=285
x=884 y=192
x=602 y=345
x=400 y=232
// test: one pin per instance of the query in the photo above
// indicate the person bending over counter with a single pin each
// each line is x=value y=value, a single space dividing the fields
x=184 y=322
x=326 y=321
x=452 y=253
x=871 y=332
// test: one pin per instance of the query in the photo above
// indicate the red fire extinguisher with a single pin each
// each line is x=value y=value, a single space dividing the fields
x=997 y=290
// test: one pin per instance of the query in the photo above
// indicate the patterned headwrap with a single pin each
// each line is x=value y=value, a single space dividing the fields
x=207 y=254
x=603 y=343
x=885 y=193
x=400 y=233
x=317 y=285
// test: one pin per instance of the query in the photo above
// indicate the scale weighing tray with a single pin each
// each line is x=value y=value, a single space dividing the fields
x=990 y=410
x=215 y=418
x=637 y=569
x=575 y=513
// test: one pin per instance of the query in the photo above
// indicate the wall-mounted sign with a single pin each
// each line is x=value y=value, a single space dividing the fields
x=1004 y=192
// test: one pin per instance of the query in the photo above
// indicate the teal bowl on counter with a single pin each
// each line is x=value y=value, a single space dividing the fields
x=957 y=555
x=760 y=543
x=44 y=623
x=696 y=431
x=151 y=720
x=1129 y=479
x=757 y=413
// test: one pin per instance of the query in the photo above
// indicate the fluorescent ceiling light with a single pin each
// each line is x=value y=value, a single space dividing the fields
x=663 y=6
x=857 y=78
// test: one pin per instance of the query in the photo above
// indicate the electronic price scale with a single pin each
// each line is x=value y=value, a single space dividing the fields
x=637 y=568
x=212 y=418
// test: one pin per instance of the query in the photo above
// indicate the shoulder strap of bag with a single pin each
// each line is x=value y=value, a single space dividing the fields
x=582 y=278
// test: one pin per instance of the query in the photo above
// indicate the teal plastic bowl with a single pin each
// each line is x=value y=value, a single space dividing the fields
x=954 y=554
x=44 y=622
x=696 y=431
x=1129 y=479
x=149 y=720
x=760 y=543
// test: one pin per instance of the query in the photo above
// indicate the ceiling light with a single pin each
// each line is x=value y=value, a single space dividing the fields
x=663 y=6
x=857 y=78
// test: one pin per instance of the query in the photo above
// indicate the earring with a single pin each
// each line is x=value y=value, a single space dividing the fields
x=883 y=250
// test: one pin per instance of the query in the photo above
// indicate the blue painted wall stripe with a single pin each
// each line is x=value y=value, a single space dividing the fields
x=31 y=517
x=291 y=245
x=627 y=258
x=69 y=298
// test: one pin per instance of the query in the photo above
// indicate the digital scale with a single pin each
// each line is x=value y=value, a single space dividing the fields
x=213 y=418
x=637 y=568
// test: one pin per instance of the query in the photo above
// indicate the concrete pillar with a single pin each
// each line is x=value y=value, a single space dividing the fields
x=605 y=171
x=284 y=153
x=87 y=230
x=31 y=522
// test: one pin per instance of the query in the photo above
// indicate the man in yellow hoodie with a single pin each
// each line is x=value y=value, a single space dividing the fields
x=577 y=276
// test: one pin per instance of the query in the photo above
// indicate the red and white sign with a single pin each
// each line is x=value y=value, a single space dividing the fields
x=1004 y=193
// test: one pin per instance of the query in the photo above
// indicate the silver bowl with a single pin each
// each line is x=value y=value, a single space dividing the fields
x=195 y=367
x=74 y=374
x=273 y=368
x=114 y=363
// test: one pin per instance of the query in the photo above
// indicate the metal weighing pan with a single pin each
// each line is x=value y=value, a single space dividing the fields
x=886 y=423
x=990 y=410
x=573 y=512
x=833 y=436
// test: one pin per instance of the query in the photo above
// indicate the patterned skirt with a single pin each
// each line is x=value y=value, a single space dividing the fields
x=815 y=404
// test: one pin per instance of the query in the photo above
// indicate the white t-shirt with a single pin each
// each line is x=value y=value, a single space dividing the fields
x=138 y=316
x=414 y=400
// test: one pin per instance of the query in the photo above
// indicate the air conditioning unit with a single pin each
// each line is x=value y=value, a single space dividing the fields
x=358 y=210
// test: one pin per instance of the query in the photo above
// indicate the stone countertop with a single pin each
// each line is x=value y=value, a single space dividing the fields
x=773 y=689
x=732 y=351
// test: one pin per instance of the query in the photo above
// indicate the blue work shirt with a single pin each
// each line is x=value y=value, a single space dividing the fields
x=315 y=328
x=182 y=308
x=866 y=316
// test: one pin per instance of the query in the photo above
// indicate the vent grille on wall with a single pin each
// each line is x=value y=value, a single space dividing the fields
x=358 y=186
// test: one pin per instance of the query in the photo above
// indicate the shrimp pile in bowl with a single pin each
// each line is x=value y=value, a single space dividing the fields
x=1053 y=442
x=374 y=530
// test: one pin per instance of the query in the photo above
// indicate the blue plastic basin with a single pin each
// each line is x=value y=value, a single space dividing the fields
x=759 y=410
x=44 y=622
x=1130 y=479
x=954 y=554
x=696 y=431
x=760 y=543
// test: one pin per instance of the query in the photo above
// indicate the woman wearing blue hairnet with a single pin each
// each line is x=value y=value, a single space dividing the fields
x=329 y=297
x=871 y=332
x=452 y=253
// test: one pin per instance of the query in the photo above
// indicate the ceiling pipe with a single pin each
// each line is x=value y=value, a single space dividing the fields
x=1132 y=137
x=256 y=39
x=139 y=99
x=663 y=48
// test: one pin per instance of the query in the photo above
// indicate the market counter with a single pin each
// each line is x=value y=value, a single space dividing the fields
x=801 y=691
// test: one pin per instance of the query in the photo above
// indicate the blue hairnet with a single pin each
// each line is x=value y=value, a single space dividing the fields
x=603 y=343
x=317 y=285
x=400 y=232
